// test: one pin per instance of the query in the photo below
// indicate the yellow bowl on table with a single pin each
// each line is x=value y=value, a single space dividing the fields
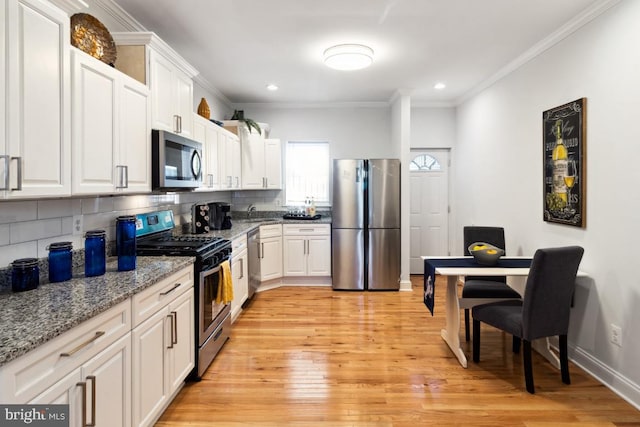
x=485 y=253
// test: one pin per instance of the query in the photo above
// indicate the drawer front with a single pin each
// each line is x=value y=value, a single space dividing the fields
x=27 y=376
x=306 y=230
x=239 y=243
x=271 y=230
x=152 y=299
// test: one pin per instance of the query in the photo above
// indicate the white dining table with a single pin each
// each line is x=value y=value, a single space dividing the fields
x=450 y=334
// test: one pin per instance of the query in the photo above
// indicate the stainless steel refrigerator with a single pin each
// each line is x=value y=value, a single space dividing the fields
x=365 y=229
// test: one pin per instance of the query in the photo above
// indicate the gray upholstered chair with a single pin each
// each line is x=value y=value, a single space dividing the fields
x=494 y=287
x=544 y=310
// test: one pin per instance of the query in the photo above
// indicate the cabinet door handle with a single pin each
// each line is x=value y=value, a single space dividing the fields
x=19 y=163
x=83 y=385
x=210 y=176
x=176 y=126
x=176 y=286
x=179 y=124
x=123 y=176
x=262 y=251
x=175 y=326
x=7 y=162
x=83 y=345
x=241 y=268
x=237 y=182
x=172 y=342
x=93 y=400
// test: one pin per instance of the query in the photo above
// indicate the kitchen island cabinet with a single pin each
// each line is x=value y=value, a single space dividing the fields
x=35 y=156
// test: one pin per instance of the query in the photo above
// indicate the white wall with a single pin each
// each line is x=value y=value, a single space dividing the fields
x=353 y=132
x=499 y=179
x=433 y=127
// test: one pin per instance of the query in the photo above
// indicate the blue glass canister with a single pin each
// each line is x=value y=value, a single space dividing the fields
x=94 y=253
x=60 y=261
x=25 y=274
x=126 y=242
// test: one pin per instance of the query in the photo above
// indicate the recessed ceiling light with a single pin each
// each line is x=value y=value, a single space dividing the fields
x=439 y=86
x=348 y=57
x=272 y=87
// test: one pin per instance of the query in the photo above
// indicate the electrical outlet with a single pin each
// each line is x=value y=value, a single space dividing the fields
x=77 y=225
x=616 y=335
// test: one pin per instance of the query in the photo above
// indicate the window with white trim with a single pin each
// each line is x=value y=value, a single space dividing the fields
x=307 y=169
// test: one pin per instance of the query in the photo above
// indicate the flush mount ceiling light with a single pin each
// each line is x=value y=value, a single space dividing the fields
x=439 y=86
x=272 y=87
x=348 y=57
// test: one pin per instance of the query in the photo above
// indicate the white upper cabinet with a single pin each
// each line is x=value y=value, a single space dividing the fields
x=151 y=61
x=172 y=96
x=222 y=163
x=272 y=164
x=35 y=157
x=261 y=159
x=111 y=134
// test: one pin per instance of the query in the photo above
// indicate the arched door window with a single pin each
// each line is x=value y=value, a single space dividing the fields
x=424 y=162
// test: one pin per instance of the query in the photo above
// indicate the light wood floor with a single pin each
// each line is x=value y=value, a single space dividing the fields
x=315 y=357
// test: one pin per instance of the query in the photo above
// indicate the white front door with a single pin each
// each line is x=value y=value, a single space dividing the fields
x=429 y=218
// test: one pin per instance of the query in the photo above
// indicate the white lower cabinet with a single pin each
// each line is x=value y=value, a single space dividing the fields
x=99 y=392
x=119 y=368
x=306 y=250
x=240 y=274
x=88 y=367
x=270 y=252
x=163 y=351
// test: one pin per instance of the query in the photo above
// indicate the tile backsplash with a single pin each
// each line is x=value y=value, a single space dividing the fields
x=28 y=227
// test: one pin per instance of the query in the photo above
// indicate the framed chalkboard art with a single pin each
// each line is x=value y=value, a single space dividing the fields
x=564 y=151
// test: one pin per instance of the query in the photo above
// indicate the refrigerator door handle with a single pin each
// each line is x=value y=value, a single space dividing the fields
x=358 y=175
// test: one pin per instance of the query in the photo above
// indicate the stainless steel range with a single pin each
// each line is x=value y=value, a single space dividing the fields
x=154 y=233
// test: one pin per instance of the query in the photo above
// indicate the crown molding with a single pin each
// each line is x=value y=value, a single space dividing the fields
x=156 y=43
x=397 y=94
x=111 y=8
x=432 y=104
x=553 y=39
x=206 y=85
x=310 y=105
x=71 y=7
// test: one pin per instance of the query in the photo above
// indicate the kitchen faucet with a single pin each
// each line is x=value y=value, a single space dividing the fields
x=250 y=209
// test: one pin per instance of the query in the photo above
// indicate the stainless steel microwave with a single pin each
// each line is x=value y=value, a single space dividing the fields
x=176 y=161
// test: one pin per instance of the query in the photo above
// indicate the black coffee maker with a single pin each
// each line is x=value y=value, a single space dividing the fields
x=219 y=215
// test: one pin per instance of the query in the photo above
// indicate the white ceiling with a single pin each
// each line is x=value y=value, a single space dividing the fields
x=240 y=46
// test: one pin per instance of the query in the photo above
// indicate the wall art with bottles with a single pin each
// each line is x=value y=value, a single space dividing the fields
x=564 y=150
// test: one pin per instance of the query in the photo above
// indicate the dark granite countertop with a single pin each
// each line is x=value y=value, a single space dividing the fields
x=29 y=319
x=243 y=226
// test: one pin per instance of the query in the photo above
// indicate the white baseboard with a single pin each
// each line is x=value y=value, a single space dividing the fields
x=620 y=385
x=405 y=285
